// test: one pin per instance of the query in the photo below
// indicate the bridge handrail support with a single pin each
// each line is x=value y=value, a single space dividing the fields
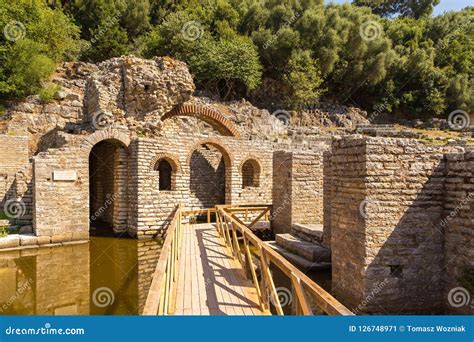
x=228 y=224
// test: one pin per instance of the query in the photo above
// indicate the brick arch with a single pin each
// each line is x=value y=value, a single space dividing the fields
x=106 y=134
x=252 y=158
x=225 y=151
x=171 y=158
x=209 y=115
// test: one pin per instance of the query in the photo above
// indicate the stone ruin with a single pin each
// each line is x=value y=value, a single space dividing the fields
x=127 y=140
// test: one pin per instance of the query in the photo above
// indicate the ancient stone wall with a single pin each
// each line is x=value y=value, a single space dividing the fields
x=298 y=188
x=458 y=220
x=327 y=196
x=207 y=177
x=155 y=207
x=282 y=175
x=347 y=225
x=61 y=187
x=386 y=212
x=14 y=159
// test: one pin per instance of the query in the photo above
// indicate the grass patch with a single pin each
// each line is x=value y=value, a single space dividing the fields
x=49 y=92
x=3 y=231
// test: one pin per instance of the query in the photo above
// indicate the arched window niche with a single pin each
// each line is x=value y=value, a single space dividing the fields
x=251 y=174
x=166 y=169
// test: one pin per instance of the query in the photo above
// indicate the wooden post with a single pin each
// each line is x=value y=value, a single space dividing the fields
x=302 y=299
x=271 y=284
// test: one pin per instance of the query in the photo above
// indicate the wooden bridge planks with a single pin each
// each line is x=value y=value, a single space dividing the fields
x=210 y=281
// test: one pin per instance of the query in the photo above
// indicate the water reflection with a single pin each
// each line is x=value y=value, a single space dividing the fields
x=68 y=280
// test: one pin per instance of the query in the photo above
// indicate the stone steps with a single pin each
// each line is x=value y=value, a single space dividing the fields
x=310 y=251
x=300 y=262
x=309 y=232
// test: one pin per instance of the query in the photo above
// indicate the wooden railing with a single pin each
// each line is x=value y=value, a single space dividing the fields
x=238 y=237
x=263 y=213
x=162 y=293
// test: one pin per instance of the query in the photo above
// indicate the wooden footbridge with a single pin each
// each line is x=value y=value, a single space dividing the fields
x=223 y=268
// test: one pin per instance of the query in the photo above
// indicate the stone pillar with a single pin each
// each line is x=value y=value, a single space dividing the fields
x=386 y=238
x=281 y=193
x=120 y=200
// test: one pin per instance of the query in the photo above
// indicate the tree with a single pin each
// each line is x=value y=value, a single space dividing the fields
x=35 y=38
x=218 y=57
x=405 y=8
x=303 y=79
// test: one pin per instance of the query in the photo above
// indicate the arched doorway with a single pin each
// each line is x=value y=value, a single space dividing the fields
x=209 y=175
x=108 y=172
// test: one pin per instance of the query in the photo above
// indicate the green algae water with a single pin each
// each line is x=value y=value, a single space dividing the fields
x=105 y=276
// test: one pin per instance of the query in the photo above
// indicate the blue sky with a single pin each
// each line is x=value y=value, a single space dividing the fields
x=444 y=5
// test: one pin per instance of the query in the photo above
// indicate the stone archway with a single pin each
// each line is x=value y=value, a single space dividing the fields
x=108 y=175
x=207 y=114
x=210 y=170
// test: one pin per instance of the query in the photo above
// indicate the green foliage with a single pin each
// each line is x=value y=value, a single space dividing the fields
x=3 y=231
x=405 y=8
x=377 y=54
x=49 y=91
x=217 y=56
x=37 y=38
x=303 y=79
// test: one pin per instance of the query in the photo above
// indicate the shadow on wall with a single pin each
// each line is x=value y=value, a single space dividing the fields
x=17 y=203
x=404 y=241
x=207 y=181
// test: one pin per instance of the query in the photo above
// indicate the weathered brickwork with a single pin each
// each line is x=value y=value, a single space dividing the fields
x=386 y=234
x=458 y=220
x=155 y=207
x=14 y=159
x=298 y=193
